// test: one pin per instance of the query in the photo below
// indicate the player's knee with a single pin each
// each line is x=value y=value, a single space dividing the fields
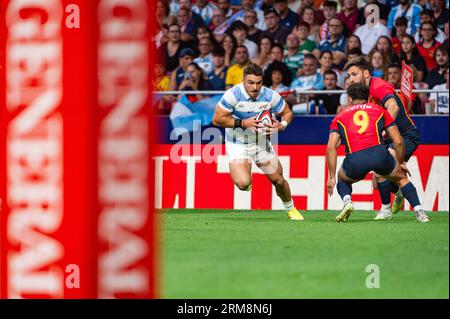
x=243 y=185
x=278 y=182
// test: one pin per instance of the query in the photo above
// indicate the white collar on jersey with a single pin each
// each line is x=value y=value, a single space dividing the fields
x=247 y=97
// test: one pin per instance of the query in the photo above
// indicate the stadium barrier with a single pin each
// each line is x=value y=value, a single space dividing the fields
x=191 y=168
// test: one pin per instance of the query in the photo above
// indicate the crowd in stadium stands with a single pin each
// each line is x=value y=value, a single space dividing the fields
x=302 y=45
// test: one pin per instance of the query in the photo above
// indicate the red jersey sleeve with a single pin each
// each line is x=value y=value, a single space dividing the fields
x=381 y=90
x=334 y=126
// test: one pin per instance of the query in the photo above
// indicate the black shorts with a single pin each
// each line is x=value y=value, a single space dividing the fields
x=378 y=159
x=411 y=139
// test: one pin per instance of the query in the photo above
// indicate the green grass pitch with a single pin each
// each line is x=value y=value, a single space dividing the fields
x=263 y=254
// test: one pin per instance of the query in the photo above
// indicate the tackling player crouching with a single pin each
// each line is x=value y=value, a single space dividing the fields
x=383 y=94
x=360 y=126
x=246 y=141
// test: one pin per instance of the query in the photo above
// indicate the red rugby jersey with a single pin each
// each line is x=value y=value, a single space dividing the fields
x=380 y=91
x=361 y=126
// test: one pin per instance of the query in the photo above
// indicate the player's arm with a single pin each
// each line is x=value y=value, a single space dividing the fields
x=223 y=118
x=286 y=119
x=399 y=146
x=334 y=140
x=392 y=107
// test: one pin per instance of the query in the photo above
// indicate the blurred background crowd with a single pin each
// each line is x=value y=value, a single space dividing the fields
x=301 y=45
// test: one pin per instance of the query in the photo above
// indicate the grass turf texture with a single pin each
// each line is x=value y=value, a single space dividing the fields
x=263 y=254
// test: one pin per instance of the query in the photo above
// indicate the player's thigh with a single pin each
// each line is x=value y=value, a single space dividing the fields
x=411 y=140
x=240 y=162
x=342 y=176
x=272 y=169
x=241 y=171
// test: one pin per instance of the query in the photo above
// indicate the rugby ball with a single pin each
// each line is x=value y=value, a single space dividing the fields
x=265 y=117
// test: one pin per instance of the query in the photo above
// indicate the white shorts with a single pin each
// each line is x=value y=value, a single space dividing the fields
x=258 y=152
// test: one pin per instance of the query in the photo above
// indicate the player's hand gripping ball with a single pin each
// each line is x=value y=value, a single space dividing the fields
x=266 y=120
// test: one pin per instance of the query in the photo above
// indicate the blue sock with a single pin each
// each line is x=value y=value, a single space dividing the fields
x=394 y=188
x=410 y=193
x=344 y=188
x=385 y=192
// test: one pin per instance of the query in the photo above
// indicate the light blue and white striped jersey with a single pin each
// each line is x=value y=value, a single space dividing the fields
x=237 y=101
x=413 y=16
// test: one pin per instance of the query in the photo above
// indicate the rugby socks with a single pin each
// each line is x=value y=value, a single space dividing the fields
x=385 y=192
x=394 y=188
x=289 y=205
x=344 y=189
x=410 y=193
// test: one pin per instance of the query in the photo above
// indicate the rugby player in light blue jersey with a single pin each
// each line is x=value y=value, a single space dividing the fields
x=246 y=138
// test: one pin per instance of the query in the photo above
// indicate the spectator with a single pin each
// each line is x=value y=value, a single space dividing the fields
x=378 y=60
x=329 y=12
x=250 y=19
x=193 y=81
x=411 y=56
x=276 y=84
x=171 y=49
x=384 y=45
x=410 y=11
x=427 y=16
x=309 y=4
x=218 y=77
x=383 y=7
x=294 y=5
x=218 y=18
x=445 y=43
x=288 y=18
x=293 y=57
x=329 y=101
x=308 y=15
x=394 y=75
x=400 y=30
x=301 y=31
x=353 y=42
x=196 y=18
x=229 y=44
x=370 y=32
x=250 y=5
x=225 y=7
x=336 y=42
x=235 y=72
x=205 y=9
x=310 y=77
x=205 y=58
x=278 y=32
x=239 y=30
x=161 y=81
x=439 y=101
x=265 y=46
x=354 y=53
x=187 y=23
x=427 y=45
x=186 y=57
x=349 y=14
x=204 y=31
x=326 y=64
x=440 y=13
x=276 y=57
x=162 y=21
x=436 y=75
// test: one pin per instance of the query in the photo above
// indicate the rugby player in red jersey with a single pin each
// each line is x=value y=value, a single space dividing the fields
x=360 y=126
x=384 y=94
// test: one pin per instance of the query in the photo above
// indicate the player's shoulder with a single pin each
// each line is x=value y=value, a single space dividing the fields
x=379 y=82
